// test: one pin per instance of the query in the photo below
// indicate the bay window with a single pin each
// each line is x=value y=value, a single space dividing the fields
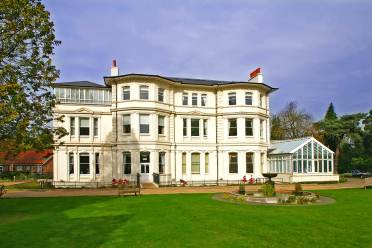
x=144 y=124
x=161 y=124
x=232 y=98
x=195 y=127
x=126 y=124
x=248 y=127
x=233 y=128
x=126 y=93
x=84 y=126
x=144 y=92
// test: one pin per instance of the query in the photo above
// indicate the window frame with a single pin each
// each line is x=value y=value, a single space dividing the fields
x=127 y=125
x=71 y=163
x=161 y=163
x=194 y=99
x=126 y=93
x=247 y=128
x=248 y=98
x=72 y=126
x=95 y=127
x=161 y=128
x=144 y=92
x=161 y=94
x=127 y=166
x=185 y=99
x=86 y=127
x=81 y=171
x=205 y=127
x=230 y=128
x=203 y=100
x=96 y=163
x=142 y=125
x=194 y=128
x=249 y=164
x=233 y=165
x=231 y=98
x=195 y=165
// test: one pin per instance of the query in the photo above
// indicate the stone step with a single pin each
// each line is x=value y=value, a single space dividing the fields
x=149 y=186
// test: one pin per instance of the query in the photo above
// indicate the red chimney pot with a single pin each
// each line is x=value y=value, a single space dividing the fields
x=114 y=63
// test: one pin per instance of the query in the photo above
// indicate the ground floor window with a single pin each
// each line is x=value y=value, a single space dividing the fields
x=233 y=162
x=84 y=163
x=161 y=162
x=184 y=163
x=195 y=163
x=71 y=163
x=249 y=162
x=1 y=169
x=206 y=162
x=96 y=161
x=127 y=163
x=145 y=162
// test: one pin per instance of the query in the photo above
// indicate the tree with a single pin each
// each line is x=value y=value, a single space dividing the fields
x=330 y=114
x=342 y=133
x=291 y=123
x=27 y=42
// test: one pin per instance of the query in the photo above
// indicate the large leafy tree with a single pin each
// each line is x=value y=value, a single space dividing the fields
x=291 y=123
x=27 y=41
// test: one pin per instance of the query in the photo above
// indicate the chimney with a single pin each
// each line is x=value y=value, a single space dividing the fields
x=256 y=76
x=114 y=69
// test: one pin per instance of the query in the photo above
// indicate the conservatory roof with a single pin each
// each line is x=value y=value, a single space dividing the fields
x=287 y=146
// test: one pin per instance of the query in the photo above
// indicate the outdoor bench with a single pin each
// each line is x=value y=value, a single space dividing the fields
x=129 y=189
x=2 y=190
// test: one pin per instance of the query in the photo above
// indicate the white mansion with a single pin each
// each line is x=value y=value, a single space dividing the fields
x=177 y=128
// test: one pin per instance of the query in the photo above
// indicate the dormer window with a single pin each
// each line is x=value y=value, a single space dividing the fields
x=144 y=92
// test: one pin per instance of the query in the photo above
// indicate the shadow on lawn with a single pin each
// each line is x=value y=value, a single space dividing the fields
x=46 y=224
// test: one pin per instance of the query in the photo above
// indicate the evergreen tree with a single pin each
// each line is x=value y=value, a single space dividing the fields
x=330 y=114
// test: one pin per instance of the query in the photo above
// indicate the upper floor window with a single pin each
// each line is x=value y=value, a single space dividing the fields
x=161 y=95
x=184 y=122
x=72 y=126
x=194 y=99
x=232 y=98
x=126 y=124
x=261 y=100
x=185 y=99
x=233 y=162
x=195 y=127
x=161 y=124
x=248 y=127
x=144 y=92
x=233 y=129
x=205 y=127
x=261 y=128
x=84 y=96
x=95 y=126
x=204 y=99
x=84 y=126
x=248 y=98
x=126 y=93
x=249 y=162
x=144 y=124
x=84 y=163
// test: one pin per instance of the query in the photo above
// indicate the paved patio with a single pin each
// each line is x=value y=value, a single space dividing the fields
x=352 y=183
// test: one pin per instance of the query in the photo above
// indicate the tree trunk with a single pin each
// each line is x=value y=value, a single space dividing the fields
x=337 y=156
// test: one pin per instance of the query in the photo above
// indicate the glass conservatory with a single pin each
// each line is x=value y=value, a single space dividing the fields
x=300 y=156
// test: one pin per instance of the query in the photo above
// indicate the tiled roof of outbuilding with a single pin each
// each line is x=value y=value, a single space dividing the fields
x=27 y=158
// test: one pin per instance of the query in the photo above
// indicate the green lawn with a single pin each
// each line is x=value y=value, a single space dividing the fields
x=192 y=220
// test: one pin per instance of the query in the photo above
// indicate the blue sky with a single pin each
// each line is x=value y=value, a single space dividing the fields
x=315 y=52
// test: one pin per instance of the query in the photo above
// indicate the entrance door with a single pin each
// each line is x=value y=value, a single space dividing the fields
x=145 y=166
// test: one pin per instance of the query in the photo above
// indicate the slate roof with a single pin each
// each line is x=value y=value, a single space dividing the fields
x=286 y=146
x=82 y=84
x=194 y=81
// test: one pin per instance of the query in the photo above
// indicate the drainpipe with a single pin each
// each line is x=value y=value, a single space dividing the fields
x=174 y=139
x=216 y=134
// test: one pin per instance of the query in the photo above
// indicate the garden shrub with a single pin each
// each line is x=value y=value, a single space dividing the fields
x=242 y=189
x=268 y=190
